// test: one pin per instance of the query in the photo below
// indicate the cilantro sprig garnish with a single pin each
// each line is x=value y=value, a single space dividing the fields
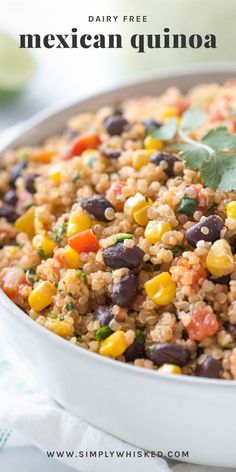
x=214 y=156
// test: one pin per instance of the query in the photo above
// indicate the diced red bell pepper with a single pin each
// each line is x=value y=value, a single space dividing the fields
x=85 y=241
x=80 y=144
x=202 y=325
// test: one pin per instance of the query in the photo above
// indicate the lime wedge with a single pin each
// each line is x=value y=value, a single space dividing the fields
x=16 y=66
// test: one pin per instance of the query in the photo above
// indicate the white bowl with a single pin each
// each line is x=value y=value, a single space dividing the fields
x=150 y=410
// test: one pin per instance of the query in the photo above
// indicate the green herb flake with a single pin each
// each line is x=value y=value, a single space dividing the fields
x=103 y=333
x=229 y=346
x=166 y=132
x=52 y=315
x=122 y=236
x=177 y=250
x=85 y=278
x=41 y=252
x=75 y=176
x=31 y=276
x=211 y=206
x=139 y=336
x=58 y=233
x=214 y=156
x=70 y=306
x=92 y=161
x=187 y=206
x=193 y=118
x=82 y=275
x=28 y=205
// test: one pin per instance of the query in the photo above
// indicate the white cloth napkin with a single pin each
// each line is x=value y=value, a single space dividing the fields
x=29 y=418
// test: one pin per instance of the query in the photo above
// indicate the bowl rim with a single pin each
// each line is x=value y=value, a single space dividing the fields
x=51 y=113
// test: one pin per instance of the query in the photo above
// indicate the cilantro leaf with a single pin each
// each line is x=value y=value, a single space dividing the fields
x=194 y=156
x=220 y=139
x=166 y=131
x=217 y=168
x=211 y=171
x=192 y=119
x=228 y=176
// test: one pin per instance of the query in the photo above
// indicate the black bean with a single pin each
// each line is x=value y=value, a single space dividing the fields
x=168 y=353
x=209 y=368
x=104 y=314
x=119 y=255
x=10 y=198
x=124 y=293
x=115 y=125
x=134 y=351
x=231 y=328
x=111 y=153
x=151 y=124
x=8 y=212
x=220 y=280
x=29 y=182
x=169 y=158
x=197 y=232
x=16 y=171
x=97 y=206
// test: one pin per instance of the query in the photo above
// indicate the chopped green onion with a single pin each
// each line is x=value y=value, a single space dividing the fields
x=120 y=237
x=103 y=333
x=58 y=233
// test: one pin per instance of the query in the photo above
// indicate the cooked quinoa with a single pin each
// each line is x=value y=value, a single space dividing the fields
x=111 y=242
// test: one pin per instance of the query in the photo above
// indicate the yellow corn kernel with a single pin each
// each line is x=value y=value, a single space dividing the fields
x=25 y=223
x=78 y=221
x=220 y=260
x=141 y=158
x=42 y=296
x=169 y=112
x=134 y=203
x=61 y=328
x=231 y=210
x=153 y=144
x=114 y=345
x=55 y=175
x=72 y=257
x=155 y=230
x=42 y=242
x=137 y=207
x=170 y=369
x=161 y=289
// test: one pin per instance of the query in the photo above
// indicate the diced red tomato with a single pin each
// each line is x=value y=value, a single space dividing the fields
x=117 y=187
x=11 y=282
x=81 y=144
x=202 y=325
x=85 y=241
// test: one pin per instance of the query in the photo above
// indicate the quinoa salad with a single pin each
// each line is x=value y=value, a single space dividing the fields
x=119 y=234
